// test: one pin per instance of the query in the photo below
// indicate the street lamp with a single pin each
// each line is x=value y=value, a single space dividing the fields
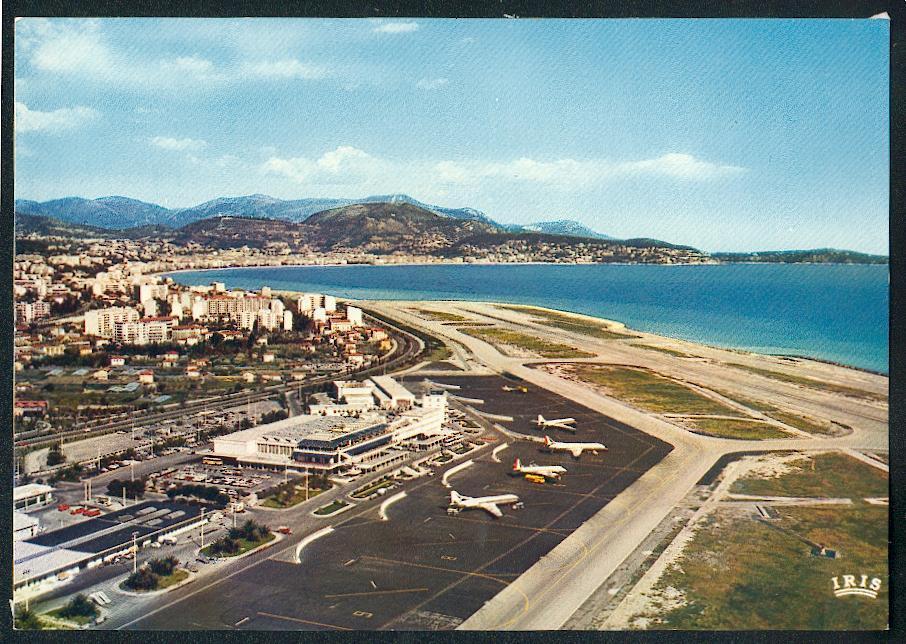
x=134 y=553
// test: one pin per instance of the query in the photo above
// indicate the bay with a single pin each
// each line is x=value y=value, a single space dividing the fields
x=830 y=312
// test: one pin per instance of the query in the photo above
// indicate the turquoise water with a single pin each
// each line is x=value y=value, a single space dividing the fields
x=830 y=312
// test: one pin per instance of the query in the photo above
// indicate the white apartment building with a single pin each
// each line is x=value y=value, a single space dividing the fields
x=308 y=302
x=354 y=315
x=100 y=322
x=145 y=331
x=27 y=312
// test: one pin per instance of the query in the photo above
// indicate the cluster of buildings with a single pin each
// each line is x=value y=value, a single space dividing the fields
x=363 y=427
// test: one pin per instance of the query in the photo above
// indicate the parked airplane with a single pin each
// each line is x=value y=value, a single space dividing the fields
x=559 y=423
x=547 y=471
x=575 y=449
x=523 y=390
x=458 y=502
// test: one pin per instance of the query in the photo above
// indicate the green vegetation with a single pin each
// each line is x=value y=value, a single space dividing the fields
x=330 y=508
x=55 y=456
x=440 y=316
x=740 y=573
x=803 y=423
x=72 y=474
x=291 y=493
x=667 y=350
x=798 y=421
x=526 y=342
x=371 y=488
x=438 y=353
x=832 y=475
x=27 y=620
x=157 y=574
x=741 y=429
x=79 y=610
x=810 y=382
x=817 y=256
x=207 y=492
x=572 y=323
x=240 y=540
x=134 y=489
x=650 y=391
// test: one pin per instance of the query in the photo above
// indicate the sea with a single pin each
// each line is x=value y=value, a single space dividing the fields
x=832 y=312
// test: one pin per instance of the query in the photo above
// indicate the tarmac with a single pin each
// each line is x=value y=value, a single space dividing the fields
x=423 y=569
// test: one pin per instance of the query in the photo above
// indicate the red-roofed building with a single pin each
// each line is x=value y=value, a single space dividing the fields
x=34 y=408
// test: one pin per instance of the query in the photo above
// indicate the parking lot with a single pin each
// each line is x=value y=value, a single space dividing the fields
x=425 y=569
x=234 y=481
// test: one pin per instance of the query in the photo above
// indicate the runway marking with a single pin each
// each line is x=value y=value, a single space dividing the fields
x=241 y=621
x=363 y=613
x=586 y=552
x=439 y=568
x=447 y=543
x=305 y=621
x=555 y=531
x=369 y=593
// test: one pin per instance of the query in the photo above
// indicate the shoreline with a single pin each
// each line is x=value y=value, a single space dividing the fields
x=735 y=348
x=450 y=263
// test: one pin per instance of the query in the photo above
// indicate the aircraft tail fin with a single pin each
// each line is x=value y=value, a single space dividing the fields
x=516 y=464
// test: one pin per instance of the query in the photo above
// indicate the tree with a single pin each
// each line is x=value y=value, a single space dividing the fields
x=134 y=489
x=27 y=620
x=163 y=567
x=142 y=579
x=55 y=456
x=79 y=606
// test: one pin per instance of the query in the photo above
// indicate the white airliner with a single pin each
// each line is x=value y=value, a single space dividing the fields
x=575 y=449
x=523 y=390
x=547 y=471
x=487 y=503
x=559 y=423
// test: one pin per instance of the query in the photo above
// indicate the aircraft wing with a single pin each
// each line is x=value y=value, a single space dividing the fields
x=576 y=451
x=493 y=509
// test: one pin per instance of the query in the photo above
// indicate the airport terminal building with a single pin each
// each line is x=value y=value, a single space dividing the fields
x=365 y=439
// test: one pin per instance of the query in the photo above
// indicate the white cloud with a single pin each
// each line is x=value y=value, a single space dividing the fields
x=396 y=28
x=65 y=118
x=363 y=173
x=681 y=166
x=179 y=145
x=286 y=68
x=79 y=49
x=432 y=83
x=572 y=173
x=344 y=165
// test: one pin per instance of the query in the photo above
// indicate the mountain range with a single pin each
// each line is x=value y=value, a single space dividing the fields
x=377 y=224
x=119 y=213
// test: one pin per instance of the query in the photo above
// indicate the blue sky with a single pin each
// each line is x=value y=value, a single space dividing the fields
x=723 y=134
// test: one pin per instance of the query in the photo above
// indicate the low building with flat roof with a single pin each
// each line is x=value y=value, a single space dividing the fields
x=24 y=526
x=46 y=560
x=32 y=496
x=332 y=443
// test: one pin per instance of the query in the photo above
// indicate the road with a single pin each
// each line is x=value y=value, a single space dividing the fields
x=546 y=596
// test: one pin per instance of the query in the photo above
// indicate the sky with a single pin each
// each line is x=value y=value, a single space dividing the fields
x=723 y=134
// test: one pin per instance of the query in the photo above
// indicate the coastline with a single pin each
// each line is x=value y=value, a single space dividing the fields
x=739 y=348
x=450 y=263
